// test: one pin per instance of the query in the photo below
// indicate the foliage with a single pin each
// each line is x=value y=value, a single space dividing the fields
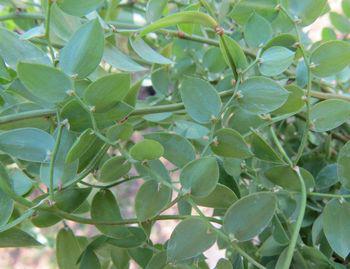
x=249 y=118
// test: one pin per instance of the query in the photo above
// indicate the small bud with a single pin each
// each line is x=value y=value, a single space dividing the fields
x=181 y=35
x=92 y=108
x=278 y=7
x=70 y=92
x=74 y=76
x=219 y=30
x=239 y=95
x=215 y=142
x=304 y=98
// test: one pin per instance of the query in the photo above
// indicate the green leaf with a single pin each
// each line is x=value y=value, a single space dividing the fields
x=190 y=130
x=261 y=95
x=121 y=131
x=249 y=216
x=221 y=197
x=275 y=60
x=130 y=237
x=213 y=60
x=150 y=199
x=245 y=8
x=328 y=34
x=329 y=114
x=233 y=54
x=328 y=176
x=147 y=149
x=200 y=176
x=67 y=249
x=307 y=11
x=336 y=224
x=257 y=31
x=104 y=207
x=89 y=260
x=177 y=149
x=158 y=261
x=262 y=150
x=119 y=60
x=16 y=50
x=330 y=58
x=29 y=144
x=294 y=102
x=106 y=92
x=63 y=172
x=6 y=207
x=155 y=9
x=45 y=82
x=344 y=165
x=180 y=17
x=229 y=143
x=15 y=238
x=143 y=50
x=190 y=238
x=83 y=52
x=79 y=7
x=81 y=145
x=287 y=178
x=114 y=168
x=340 y=22
x=200 y=98
x=66 y=200
x=345 y=4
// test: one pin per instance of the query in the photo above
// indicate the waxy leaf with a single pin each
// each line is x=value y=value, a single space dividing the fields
x=287 y=178
x=262 y=150
x=15 y=238
x=89 y=260
x=83 y=52
x=257 y=31
x=81 y=145
x=150 y=199
x=63 y=171
x=344 y=165
x=328 y=176
x=294 y=102
x=190 y=130
x=200 y=176
x=336 y=226
x=221 y=197
x=6 y=207
x=16 y=50
x=340 y=22
x=233 y=53
x=67 y=249
x=114 y=168
x=177 y=149
x=45 y=82
x=190 y=238
x=180 y=17
x=201 y=100
x=131 y=237
x=79 y=7
x=147 y=149
x=330 y=58
x=229 y=143
x=29 y=144
x=155 y=9
x=249 y=216
x=106 y=92
x=275 y=61
x=104 y=207
x=143 y=50
x=119 y=60
x=329 y=114
x=261 y=95
x=307 y=11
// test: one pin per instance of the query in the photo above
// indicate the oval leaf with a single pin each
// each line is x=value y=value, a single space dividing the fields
x=201 y=100
x=249 y=216
x=200 y=176
x=275 y=61
x=147 y=149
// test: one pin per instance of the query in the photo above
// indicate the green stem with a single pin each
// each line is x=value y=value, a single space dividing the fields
x=279 y=146
x=147 y=110
x=329 y=195
x=225 y=237
x=22 y=15
x=205 y=4
x=47 y=29
x=111 y=184
x=295 y=235
x=53 y=157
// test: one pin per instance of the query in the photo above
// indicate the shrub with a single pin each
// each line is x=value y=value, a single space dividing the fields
x=246 y=116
